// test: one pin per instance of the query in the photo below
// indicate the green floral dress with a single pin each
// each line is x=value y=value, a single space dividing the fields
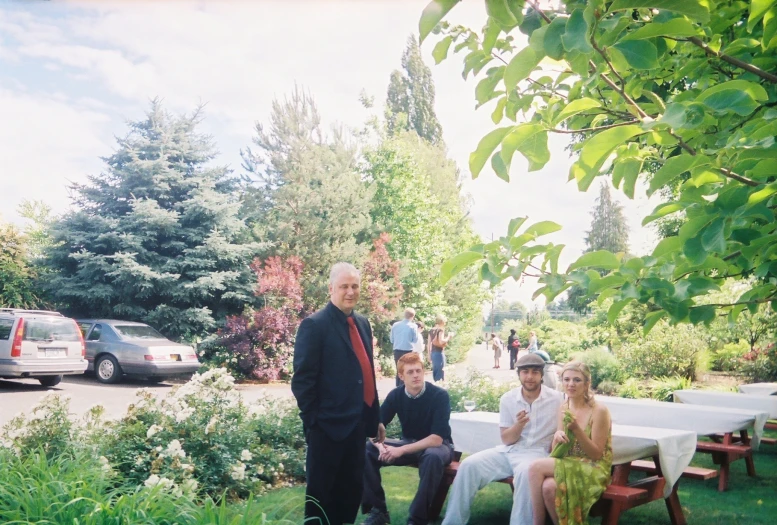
x=579 y=480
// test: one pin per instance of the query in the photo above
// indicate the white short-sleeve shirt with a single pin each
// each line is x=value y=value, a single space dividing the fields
x=543 y=417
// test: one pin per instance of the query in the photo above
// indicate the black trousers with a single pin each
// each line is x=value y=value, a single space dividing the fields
x=397 y=355
x=431 y=466
x=335 y=474
x=513 y=357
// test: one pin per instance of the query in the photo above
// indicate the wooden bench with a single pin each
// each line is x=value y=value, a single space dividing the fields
x=617 y=498
x=726 y=448
x=690 y=472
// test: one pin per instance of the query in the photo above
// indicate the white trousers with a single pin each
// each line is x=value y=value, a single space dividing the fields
x=478 y=470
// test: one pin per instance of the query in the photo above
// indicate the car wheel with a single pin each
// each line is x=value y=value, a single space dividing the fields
x=107 y=369
x=50 y=381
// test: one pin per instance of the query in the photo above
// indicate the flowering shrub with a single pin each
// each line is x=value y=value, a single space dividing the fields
x=760 y=364
x=729 y=358
x=259 y=345
x=199 y=439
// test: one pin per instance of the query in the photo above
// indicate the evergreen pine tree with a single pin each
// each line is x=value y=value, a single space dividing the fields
x=156 y=238
x=609 y=231
x=410 y=98
x=307 y=198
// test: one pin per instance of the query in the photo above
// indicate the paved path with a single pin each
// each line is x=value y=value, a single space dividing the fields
x=20 y=396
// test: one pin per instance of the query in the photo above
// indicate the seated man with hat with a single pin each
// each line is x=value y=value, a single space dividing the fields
x=528 y=417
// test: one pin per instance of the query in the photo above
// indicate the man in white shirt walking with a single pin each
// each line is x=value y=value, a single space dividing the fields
x=528 y=417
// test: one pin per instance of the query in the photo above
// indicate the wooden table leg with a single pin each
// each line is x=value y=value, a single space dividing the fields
x=748 y=459
x=674 y=508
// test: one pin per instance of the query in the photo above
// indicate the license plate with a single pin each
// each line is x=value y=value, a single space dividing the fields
x=175 y=357
x=53 y=352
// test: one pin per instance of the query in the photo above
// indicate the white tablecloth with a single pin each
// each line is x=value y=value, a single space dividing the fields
x=762 y=389
x=476 y=431
x=728 y=400
x=704 y=420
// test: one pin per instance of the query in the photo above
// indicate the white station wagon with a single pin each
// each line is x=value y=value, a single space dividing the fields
x=40 y=344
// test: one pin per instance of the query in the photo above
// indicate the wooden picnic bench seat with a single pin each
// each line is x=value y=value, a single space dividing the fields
x=617 y=498
x=648 y=466
x=724 y=450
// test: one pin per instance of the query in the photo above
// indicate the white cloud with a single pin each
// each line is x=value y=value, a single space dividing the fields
x=236 y=57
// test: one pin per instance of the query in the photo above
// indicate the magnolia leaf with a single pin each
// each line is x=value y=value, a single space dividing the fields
x=576 y=106
x=640 y=54
x=662 y=210
x=676 y=28
x=440 y=51
x=732 y=100
x=713 y=238
x=499 y=167
x=758 y=9
x=457 y=263
x=598 y=259
x=490 y=34
x=433 y=13
x=575 y=37
x=596 y=150
x=667 y=246
x=486 y=146
x=702 y=314
x=673 y=168
x=695 y=9
x=551 y=41
x=651 y=319
x=521 y=65
x=500 y=11
x=616 y=308
x=626 y=171
x=532 y=141
x=543 y=228
x=515 y=223
x=763 y=193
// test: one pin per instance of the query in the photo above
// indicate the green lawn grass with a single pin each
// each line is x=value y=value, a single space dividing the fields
x=748 y=501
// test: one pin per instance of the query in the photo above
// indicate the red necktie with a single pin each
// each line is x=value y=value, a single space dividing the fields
x=364 y=362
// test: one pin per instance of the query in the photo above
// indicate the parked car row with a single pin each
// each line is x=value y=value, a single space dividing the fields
x=45 y=345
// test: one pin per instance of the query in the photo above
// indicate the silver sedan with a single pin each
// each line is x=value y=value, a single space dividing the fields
x=114 y=348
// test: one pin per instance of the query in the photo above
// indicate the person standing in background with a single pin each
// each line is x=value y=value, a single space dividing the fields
x=418 y=346
x=403 y=336
x=496 y=346
x=513 y=345
x=438 y=340
x=334 y=384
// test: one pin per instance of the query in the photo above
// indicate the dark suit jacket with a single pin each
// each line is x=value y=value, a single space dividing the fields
x=327 y=379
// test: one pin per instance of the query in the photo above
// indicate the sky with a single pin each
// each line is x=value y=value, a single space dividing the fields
x=72 y=74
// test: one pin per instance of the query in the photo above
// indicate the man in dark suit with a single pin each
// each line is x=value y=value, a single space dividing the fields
x=334 y=383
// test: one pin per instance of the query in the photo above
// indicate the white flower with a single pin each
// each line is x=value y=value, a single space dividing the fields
x=184 y=414
x=139 y=460
x=238 y=471
x=153 y=429
x=246 y=455
x=174 y=449
x=211 y=426
x=259 y=470
x=188 y=486
x=152 y=481
x=280 y=466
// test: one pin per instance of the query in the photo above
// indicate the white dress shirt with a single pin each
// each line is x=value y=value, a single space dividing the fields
x=543 y=417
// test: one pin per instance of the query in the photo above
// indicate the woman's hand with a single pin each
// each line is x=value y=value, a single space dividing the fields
x=573 y=425
x=559 y=437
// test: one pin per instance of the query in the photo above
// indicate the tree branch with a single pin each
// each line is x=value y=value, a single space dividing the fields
x=598 y=128
x=744 y=180
x=731 y=60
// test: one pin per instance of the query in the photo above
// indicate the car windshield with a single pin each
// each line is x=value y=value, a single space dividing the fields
x=137 y=331
x=50 y=329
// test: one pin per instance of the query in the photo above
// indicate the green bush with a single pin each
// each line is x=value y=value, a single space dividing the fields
x=608 y=388
x=561 y=339
x=632 y=388
x=729 y=357
x=661 y=388
x=480 y=388
x=666 y=351
x=603 y=364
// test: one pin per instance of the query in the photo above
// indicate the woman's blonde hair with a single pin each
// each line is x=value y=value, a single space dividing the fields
x=440 y=319
x=579 y=366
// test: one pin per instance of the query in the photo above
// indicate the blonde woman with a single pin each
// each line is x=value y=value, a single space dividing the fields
x=569 y=482
x=438 y=340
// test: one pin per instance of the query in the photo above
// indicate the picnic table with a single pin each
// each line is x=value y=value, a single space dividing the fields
x=718 y=423
x=763 y=403
x=670 y=449
x=762 y=389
